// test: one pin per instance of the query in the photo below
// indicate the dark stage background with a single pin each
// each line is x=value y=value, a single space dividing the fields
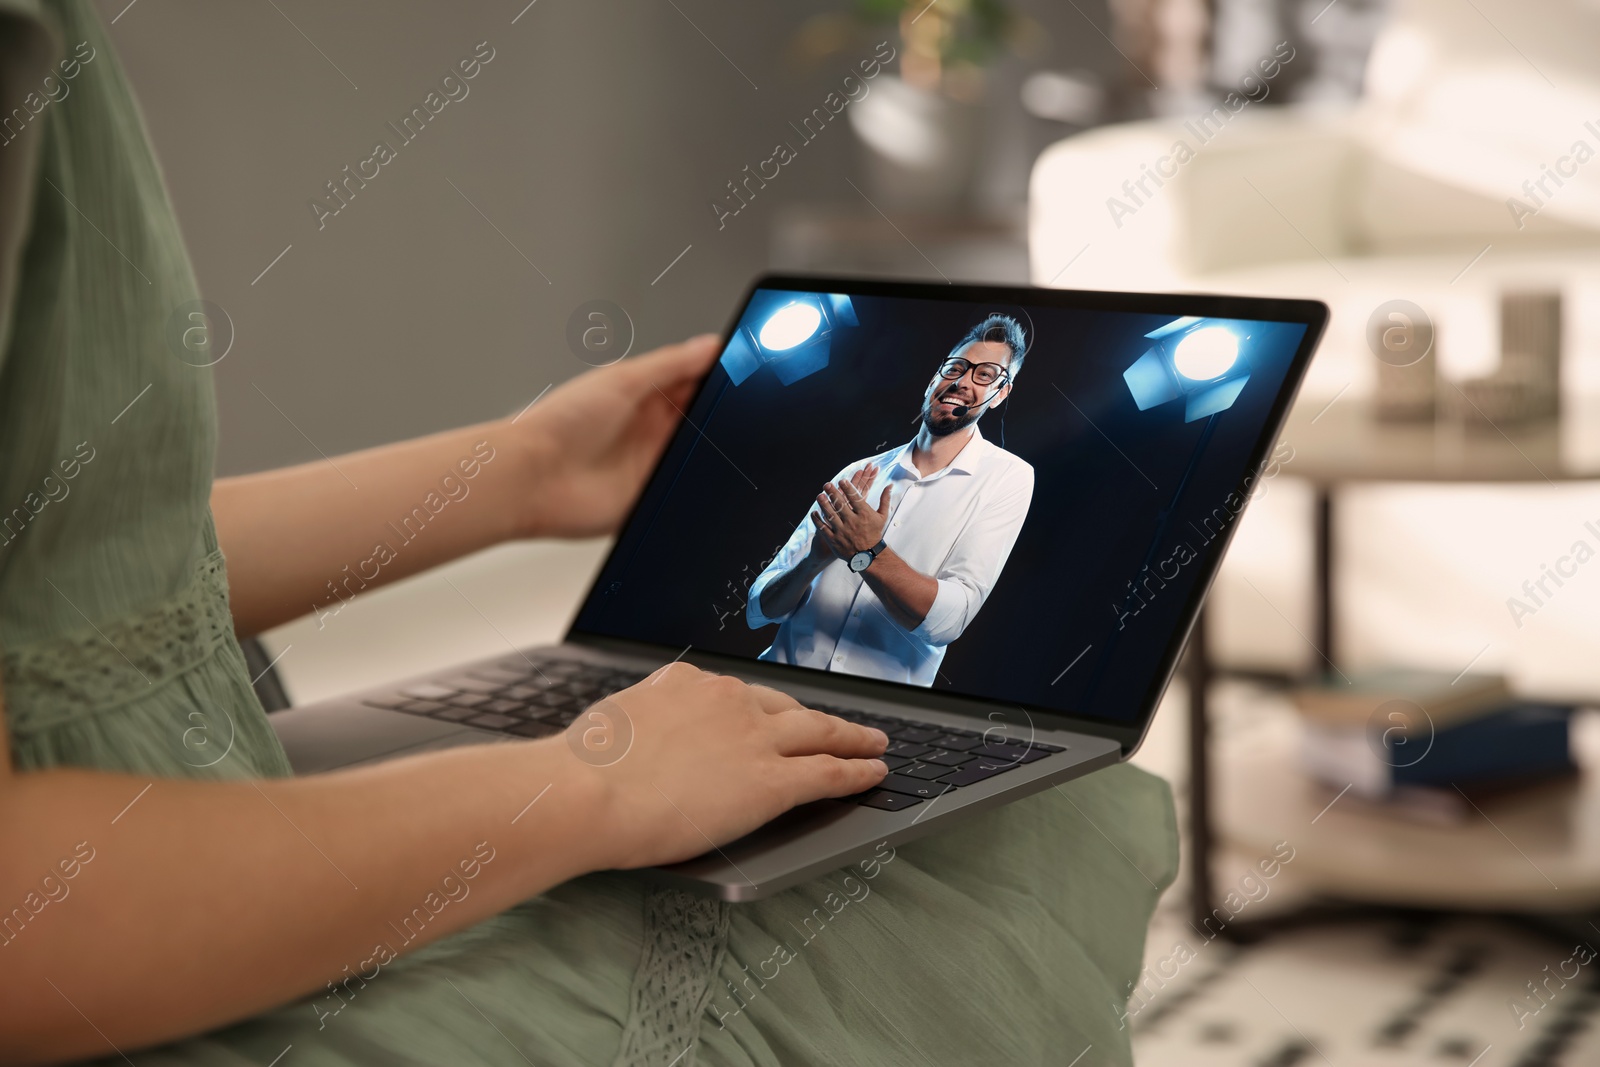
x=1106 y=474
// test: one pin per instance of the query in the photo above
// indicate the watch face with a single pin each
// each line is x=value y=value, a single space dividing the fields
x=860 y=561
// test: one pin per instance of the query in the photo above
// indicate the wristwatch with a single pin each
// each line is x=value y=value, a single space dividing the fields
x=862 y=560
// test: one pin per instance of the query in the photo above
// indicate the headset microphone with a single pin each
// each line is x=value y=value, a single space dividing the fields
x=960 y=410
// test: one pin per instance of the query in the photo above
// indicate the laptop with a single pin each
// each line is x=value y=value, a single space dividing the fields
x=1053 y=477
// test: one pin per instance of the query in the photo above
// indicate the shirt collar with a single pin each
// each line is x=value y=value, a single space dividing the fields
x=968 y=461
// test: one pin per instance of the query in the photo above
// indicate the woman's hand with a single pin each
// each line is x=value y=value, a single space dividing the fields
x=709 y=759
x=592 y=442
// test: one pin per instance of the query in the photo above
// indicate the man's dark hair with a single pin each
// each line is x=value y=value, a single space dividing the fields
x=999 y=329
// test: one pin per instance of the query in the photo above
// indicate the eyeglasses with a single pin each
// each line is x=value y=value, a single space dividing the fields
x=982 y=373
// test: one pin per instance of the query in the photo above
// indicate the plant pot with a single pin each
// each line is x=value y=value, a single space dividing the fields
x=920 y=149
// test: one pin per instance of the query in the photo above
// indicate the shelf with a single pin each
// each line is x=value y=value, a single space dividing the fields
x=1532 y=850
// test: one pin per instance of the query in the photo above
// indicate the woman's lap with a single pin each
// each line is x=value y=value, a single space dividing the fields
x=1006 y=939
x=1011 y=937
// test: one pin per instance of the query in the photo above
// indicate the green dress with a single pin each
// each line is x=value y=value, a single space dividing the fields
x=1012 y=937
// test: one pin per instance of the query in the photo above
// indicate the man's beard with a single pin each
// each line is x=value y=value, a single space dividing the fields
x=941 y=424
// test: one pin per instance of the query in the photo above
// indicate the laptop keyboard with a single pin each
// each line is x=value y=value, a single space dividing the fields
x=927 y=760
x=513 y=696
x=539 y=699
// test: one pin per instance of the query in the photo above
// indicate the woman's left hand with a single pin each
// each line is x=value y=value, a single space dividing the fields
x=592 y=441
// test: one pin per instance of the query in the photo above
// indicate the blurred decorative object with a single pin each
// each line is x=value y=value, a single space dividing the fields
x=1527 y=385
x=1074 y=97
x=1409 y=393
x=1401 y=336
x=922 y=130
x=1530 y=346
x=1341 y=701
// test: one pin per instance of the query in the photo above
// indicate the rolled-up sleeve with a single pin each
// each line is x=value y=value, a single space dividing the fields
x=793 y=551
x=977 y=558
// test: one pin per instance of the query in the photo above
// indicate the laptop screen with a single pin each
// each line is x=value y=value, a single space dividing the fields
x=1013 y=502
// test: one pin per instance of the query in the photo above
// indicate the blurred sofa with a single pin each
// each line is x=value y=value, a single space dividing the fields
x=1470 y=165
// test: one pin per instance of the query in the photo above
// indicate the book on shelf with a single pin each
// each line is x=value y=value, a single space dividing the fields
x=1445 y=698
x=1518 y=743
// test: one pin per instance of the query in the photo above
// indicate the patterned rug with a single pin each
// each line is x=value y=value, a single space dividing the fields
x=1383 y=992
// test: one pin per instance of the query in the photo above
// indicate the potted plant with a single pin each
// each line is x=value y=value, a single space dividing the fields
x=921 y=129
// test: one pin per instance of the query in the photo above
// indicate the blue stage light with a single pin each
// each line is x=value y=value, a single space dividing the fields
x=1205 y=354
x=790 y=332
x=790 y=325
x=1197 y=359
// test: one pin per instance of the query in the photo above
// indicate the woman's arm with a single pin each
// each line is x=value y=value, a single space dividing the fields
x=569 y=466
x=201 y=903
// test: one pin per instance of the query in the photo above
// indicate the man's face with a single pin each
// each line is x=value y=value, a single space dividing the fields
x=946 y=396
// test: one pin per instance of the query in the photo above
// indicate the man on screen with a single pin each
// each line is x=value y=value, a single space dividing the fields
x=903 y=547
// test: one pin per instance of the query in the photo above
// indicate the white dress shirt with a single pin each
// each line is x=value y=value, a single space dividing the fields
x=956 y=525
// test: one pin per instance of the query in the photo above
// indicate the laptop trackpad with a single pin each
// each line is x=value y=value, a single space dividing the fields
x=320 y=738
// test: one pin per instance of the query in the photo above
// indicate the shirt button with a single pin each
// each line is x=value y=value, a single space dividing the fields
x=857 y=613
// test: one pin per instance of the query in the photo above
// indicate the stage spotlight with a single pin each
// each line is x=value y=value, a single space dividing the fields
x=1205 y=354
x=790 y=332
x=1200 y=360
x=789 y=326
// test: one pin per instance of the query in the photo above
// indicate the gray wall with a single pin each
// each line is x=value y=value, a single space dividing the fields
x=594 y=140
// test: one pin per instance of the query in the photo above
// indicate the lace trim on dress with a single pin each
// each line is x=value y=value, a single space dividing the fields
x=85 y=671
x=685 y=939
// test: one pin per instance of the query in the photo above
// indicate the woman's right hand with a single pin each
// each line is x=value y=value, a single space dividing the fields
x=707 y=759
